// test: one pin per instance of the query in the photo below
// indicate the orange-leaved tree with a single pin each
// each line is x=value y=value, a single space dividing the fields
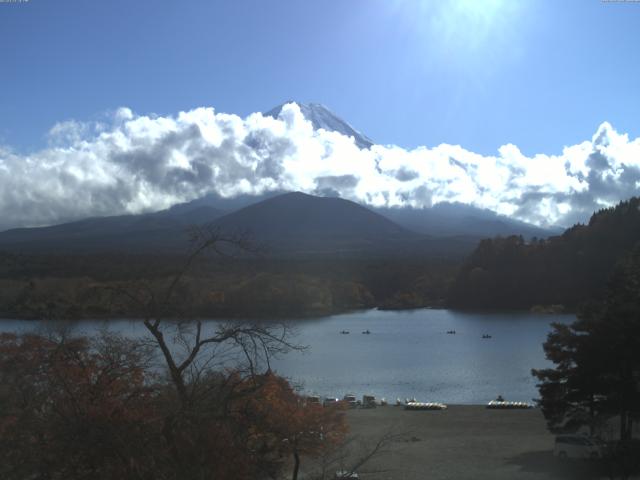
x=284 y=423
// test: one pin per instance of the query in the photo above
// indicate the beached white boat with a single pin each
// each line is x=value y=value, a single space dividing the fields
x=351 y=400
x=501 y=404
x=425 y=406
x=369 y=401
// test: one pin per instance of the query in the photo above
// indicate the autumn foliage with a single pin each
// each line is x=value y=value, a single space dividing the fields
x=77 y=408
x=283 y=422
x=71 y=408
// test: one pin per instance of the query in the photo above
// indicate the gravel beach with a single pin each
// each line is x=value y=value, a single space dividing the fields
x=463 y=442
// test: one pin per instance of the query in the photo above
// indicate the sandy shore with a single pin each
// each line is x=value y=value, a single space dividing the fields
x=463 y=442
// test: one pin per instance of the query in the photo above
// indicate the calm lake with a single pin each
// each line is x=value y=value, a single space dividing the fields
x=407 y=354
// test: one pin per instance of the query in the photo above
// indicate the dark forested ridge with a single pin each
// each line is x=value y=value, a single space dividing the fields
x=565 y=270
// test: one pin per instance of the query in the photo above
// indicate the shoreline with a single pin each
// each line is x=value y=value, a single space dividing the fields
x=293 y=316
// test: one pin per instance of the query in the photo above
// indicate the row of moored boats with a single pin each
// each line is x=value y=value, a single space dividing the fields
x=370 y=401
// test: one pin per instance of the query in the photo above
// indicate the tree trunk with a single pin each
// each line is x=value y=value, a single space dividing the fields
x=592 y=416
x=624 y=430
x=176 y=376
x=296 y=465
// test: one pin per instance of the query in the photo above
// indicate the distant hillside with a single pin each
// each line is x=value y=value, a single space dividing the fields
x=287 y=224
x=225 y=204
x=152 y=232
x=292 y=223
x=442 y=220
x=450 y=219
x=300 y=222
x=568 y=269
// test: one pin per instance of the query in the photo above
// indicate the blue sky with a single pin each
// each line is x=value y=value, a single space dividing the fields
x=527 y=108
x=539 y=74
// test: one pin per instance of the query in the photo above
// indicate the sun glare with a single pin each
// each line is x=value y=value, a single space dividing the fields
x=462 y=27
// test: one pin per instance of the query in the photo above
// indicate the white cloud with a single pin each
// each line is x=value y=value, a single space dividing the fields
x=140 y=163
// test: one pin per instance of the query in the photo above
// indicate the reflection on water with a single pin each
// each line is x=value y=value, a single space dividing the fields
x=407 y=354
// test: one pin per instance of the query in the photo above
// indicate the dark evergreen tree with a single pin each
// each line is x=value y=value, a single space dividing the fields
x=597 y=361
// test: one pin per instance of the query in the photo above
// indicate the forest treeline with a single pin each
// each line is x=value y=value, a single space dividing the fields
x=562 y=271
x=68 y=286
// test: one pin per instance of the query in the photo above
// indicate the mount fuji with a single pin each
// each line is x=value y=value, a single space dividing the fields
x=323 y=118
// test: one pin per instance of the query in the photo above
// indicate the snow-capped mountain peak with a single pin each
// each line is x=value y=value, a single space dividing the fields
x=321 y=117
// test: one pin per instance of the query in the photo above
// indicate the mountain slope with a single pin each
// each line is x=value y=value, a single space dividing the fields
x=321 y=117
x=296 y=221
x=441 y=220
x=158 y=231
x=448 y=219
x=292 y=222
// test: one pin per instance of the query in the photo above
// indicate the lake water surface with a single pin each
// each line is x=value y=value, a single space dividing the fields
x=407 y=354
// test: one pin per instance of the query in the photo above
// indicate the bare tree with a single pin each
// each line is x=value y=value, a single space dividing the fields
x=195 y=352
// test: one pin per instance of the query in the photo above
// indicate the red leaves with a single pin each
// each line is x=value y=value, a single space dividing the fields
x=276 y=410
x=92 y=408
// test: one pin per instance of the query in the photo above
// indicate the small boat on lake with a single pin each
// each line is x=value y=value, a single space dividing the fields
x=366 y=332
x=345 y=332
